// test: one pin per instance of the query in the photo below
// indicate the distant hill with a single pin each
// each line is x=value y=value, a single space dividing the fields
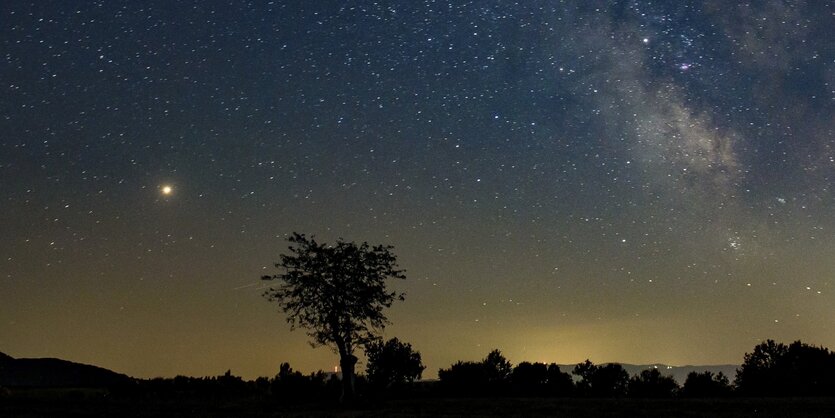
x=677 y=372
x=51 y=372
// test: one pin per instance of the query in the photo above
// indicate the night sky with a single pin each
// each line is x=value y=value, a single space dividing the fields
x=627 y=181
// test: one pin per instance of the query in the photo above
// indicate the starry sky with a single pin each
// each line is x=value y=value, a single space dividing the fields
x=632 y=181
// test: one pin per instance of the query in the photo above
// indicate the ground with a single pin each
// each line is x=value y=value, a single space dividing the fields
x=84 y=404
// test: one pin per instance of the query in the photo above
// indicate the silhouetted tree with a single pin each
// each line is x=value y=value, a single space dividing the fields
x=559 y=382
x=289 y=384
x=609 y=380
x=497 y=367
x=292 y=386
x=775 y=369
x=464 y=378
x=706 y=385
x=392 y=363
x=539 y=379
x=585 y=371
x=338 y=293
x=231 y=384
x=760 y=372
x=530 y=379
x=262 y=385
x=490 y=376
x=651 y=384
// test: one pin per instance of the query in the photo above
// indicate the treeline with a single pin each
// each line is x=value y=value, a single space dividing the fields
x=394 y=369
x=771 y=370
x=495 y=376
x=288 y=385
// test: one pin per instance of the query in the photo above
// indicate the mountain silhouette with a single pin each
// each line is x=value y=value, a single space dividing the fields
x=52 y=372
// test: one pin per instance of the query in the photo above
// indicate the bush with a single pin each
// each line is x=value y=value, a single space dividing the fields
x=651 y=384
x=609 y=380
x=775 y=369
x=539 y=379
x=392 y=364
x=491 y=376
x=706 y=385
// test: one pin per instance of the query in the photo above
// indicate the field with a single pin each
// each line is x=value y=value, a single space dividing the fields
x=94 y=404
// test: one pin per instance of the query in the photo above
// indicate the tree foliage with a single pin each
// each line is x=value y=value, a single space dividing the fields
x=559 y=382
x=797 y=369
x=293 y=387
x=337 y=293
x=706 y=385
x=392 y=363
x=490 y=376
x=464 y=378
x=651 y=384
x=527 y=376
x=539 y=379
x=601 y=381
x=498 y=368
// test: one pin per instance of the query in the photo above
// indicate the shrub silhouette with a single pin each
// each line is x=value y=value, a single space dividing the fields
x=464 y=378
x=529 y=379
x=706 y=385
x=218 y=387
x=539 y=379
x=651 y=384
x=797 y=369
x=559 y=382
x=498 y=368
x=392 y=364
x=609 y=380
x=293 y=387
x=491 y=376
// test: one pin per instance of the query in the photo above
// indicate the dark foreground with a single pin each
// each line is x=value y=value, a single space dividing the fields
x=85 y=405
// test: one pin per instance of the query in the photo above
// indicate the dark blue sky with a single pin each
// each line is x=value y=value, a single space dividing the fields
x=625 y=181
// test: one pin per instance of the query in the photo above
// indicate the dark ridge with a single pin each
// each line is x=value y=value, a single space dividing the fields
x=51 y=372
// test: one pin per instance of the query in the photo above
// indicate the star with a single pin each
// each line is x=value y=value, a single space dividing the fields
x=645 y=163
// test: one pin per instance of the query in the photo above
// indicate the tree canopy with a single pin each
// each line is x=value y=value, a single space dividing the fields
x=652 y=384
x=392 y=363
x=706 y=385
x=601 y=381
x=489 y=376
x=337 y=293
x=797 y=369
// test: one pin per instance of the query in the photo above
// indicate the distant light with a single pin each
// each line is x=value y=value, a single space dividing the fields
x=167 y=190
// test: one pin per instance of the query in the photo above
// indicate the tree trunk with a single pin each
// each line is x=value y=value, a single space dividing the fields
x=347 y=363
